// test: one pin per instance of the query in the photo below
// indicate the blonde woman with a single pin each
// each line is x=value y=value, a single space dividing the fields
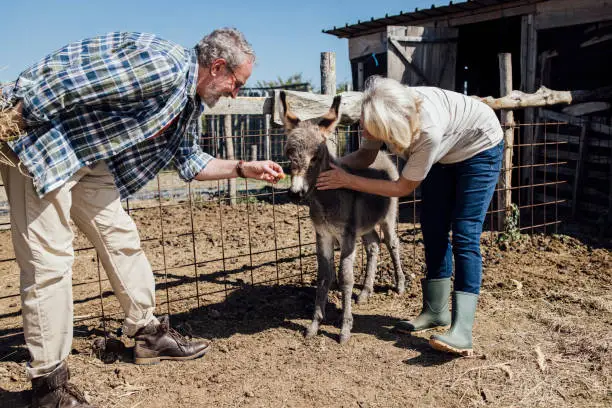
x=453 y=145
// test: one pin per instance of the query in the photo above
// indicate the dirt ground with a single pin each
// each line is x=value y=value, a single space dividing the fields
x=543 y=330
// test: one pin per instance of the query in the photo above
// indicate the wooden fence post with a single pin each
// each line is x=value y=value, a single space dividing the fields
x=328 y=87
x=582 y=156
x=507 y=120
x=267 y=146
x=529 y=47
x=229 y=155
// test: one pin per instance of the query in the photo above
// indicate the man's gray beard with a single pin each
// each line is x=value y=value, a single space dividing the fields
x=211 y=101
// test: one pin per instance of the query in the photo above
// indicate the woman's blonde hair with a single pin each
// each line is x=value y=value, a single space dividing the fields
x=391 y=113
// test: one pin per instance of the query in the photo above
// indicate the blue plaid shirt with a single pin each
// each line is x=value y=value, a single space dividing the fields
x=108 y=98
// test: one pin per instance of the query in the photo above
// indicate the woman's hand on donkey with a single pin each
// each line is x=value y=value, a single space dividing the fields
x=334 y=178
x=263 y=170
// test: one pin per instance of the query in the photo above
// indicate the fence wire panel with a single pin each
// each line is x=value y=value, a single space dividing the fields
x=207 y=239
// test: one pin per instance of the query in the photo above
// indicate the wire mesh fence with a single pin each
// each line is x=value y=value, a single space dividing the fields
x=205 y=241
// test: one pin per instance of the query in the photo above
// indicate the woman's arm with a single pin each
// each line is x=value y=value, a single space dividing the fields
x=360 y=158
x=338 y=178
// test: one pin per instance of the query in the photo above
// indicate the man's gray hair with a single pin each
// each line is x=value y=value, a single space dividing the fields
x=226 y=43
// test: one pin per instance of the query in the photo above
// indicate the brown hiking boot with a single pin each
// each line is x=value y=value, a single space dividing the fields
x=54 y=391
x=156 y=342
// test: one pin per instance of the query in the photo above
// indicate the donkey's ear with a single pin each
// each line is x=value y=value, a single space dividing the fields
x=330 y=120
x=289 y=119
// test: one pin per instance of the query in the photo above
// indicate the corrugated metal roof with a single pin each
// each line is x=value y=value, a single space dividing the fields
x=420 y=15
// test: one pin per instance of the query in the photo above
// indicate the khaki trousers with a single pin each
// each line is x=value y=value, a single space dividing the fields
x=42 y=239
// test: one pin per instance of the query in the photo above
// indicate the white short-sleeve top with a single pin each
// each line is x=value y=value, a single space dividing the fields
x=454 y=128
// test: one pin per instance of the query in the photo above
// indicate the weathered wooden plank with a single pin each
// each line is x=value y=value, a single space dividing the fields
x=596 y=40
x=563 y=13
x=496 y=12
x=586 y=108
x=308 y=105
x=407 y=60
x=428 y=39
x=367 y=44
x=572 y=120
x=422 y=55
x=242 y=105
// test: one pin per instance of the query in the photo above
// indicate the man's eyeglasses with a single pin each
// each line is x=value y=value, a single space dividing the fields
x=237 y=84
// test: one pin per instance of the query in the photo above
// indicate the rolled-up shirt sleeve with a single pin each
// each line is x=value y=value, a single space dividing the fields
x=190 y=159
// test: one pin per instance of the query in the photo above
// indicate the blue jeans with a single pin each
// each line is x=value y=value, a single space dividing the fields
x=456 y=197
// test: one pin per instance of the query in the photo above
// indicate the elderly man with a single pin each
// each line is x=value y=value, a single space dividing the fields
x=99 y=119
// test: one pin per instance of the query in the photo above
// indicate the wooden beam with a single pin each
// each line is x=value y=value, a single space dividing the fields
x=308 y=105
x=243 y=105
x=586 y=108
x=520 y=100
x=456 y=18
x=427 y=40
x=572 y=120
x=563 y=13
x=596 y=40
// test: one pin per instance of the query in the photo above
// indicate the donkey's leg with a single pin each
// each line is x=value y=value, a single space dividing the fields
x=347 y=259
x=392 y=242
x=371 y=241
x=325 y=276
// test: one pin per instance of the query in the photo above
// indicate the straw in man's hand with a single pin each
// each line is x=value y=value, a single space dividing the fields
x=11 y=123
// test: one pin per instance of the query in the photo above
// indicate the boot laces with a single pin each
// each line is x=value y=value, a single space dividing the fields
x=179 y=338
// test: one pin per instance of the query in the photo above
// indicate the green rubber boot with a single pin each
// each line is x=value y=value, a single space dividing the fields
x=458 y=339
x=435 y=307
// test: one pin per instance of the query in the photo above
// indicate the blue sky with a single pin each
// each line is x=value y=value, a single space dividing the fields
x=286 y=35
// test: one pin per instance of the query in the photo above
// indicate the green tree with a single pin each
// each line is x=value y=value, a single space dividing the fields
x=279 y=82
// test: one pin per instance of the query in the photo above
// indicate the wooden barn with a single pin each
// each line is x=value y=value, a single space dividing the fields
x=558 y=44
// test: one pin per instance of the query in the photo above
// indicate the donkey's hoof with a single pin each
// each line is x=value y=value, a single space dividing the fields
x=400 y=290
x=311 y=332
x=344 y=338
x=363 y=297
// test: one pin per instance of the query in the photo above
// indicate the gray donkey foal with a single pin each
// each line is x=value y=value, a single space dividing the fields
x=339 y=215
